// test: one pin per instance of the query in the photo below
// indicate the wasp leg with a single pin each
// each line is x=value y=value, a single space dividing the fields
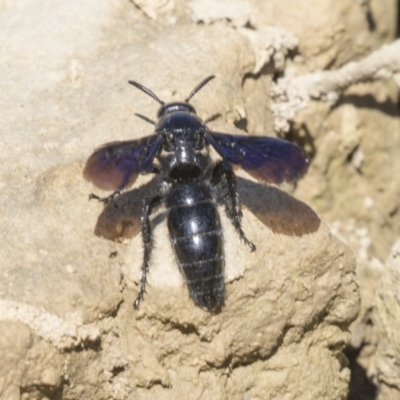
x=224 y=178
x=104 y=199
x=148 y=206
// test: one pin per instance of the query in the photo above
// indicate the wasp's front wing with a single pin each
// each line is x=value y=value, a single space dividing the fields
x=116 y=165
x=268 y=159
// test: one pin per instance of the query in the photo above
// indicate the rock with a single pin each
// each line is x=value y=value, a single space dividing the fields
x=386 y=319
x=284 y=306
x=68 y=327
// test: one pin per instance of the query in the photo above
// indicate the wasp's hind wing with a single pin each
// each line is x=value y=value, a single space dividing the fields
x=268 y=159
x=116 y=165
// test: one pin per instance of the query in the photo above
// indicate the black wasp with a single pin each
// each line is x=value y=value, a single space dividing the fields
x=191 y=185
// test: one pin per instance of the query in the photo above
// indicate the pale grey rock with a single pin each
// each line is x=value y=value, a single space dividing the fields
x=68 y=327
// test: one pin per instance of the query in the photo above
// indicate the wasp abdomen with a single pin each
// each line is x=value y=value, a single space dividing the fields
x=196 y=238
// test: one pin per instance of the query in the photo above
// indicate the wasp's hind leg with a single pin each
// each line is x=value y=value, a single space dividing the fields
x=224 y=179
x=149 y=205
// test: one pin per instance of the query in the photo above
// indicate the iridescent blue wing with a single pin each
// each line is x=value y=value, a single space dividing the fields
x=116 y=165
x=268 y=159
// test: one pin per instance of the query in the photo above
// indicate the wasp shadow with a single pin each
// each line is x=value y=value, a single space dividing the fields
x=276 y=209
x=121 y=216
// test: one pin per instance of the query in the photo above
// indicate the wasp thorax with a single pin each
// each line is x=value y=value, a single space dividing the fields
x=184 y=164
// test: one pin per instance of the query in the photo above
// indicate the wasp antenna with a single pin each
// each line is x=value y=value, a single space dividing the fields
x=199 y=86
x=147 y=91
x=144 y=118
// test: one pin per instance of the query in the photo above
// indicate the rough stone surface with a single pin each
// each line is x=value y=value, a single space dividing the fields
x=68 y=327
x=386 y=318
